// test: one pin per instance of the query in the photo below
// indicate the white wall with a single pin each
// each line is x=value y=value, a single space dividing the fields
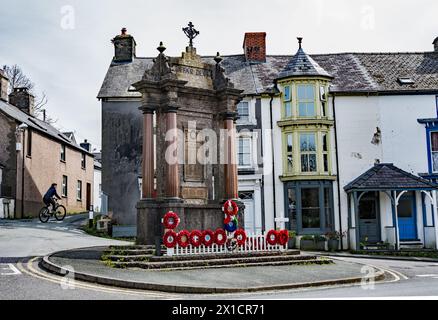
x=96 y=192
x=403 y=140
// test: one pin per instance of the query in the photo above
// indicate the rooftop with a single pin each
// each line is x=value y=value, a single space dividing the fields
x=386 y=176
x=353 y=73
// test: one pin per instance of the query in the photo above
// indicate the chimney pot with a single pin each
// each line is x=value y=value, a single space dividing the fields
x=254 y=46
x=435 y=44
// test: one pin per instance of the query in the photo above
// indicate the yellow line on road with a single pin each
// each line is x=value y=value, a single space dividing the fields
x=82 y=285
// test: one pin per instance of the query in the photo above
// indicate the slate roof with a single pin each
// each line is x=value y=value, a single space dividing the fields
x=354 y=73
x=386 y=176
x=302 y=65
x=38 y=125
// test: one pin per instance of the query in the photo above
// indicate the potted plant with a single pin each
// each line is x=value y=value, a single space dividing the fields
x=291 y=244
x=333 y=239
x=307 y=242
x=320 y=242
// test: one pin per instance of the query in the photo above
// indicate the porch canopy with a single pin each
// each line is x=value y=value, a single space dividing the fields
x=392 y=181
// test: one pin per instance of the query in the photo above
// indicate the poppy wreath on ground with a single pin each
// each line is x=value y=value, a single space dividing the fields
x=230 y=208
x=183 y=238
x=171 y=220
x=283 y=237
x=220 y=237
x=240 y=236
x=272 y=237
x=169 y=239
x=232 y=225
x=207 y=238
x=196 y=238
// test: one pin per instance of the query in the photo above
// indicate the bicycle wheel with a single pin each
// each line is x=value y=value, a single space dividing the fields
x=60 y=213
x=44 y=215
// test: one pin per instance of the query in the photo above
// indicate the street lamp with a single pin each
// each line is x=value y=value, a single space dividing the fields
x=20 y=147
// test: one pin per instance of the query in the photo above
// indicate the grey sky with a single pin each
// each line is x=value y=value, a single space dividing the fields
x=70 y=64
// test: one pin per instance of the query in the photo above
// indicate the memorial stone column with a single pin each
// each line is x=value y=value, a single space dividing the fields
x=148 y=167
x=231 y=186
x=172 y=178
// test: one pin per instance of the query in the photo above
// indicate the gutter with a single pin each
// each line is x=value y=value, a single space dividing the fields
x=337 y=170
x=273 y=154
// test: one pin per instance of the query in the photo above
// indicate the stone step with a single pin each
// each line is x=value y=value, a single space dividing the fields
x=248 y=261
x=115 y=256
x=411 y=245
x=121 y=252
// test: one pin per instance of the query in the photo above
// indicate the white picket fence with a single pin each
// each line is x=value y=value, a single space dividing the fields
x=254 y=243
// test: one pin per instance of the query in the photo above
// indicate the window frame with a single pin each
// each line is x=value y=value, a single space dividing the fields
x=63 y=155
x=431 y=152
x=248 y=138
x=64 y=186
x=308 y=153
x=250 y=118
x=306 y=100
x=83 y=160
x=29 y=144
x=297 y=186
x=79 y=190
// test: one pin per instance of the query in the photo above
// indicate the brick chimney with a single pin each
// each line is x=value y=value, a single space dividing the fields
x=435 y=44
x=4 y=86
x=254 y=46
x=23 y=100
x=124 y=47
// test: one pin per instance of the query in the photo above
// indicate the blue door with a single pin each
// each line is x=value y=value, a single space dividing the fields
x=407 y=217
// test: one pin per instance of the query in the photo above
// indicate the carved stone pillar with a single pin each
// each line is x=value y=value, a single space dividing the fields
x=172 y=178
x=231 y=186
x=148 y=167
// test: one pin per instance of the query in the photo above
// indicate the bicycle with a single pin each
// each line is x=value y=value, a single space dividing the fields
x=59 y=212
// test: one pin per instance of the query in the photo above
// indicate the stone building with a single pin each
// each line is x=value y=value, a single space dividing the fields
x=33 y=155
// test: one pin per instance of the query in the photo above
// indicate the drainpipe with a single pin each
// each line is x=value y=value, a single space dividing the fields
x=22 y=174
x=337 y=170
x=273 y=157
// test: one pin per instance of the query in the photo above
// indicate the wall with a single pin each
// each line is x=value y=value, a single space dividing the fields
x=403 y=140
x=96 y=190
x=121 y=158
x=8 y=157
x=44 y=168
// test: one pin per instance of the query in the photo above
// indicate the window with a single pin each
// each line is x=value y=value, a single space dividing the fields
x=310 y=206
x=64 y=186
x=29 y=143
x=287 y=102
x=292 y=208
x=83 y=160
x=323 y=98
x=79 y=191
x=325 y=152
x=244 y=152
x=308 y=152
x=306 y=100
x=289 y=152
x=434 y=150
x=243 y=111
x=63 y=156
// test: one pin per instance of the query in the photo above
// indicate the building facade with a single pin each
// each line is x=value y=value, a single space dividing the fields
x=33 y=156
x=309 y=127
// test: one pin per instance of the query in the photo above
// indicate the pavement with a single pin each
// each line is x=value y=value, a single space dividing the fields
x=87 y=266
x=24 y=243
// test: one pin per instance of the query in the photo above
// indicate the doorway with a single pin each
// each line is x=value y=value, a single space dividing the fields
x=369 y=217
x=88 y=200
x=407 y=222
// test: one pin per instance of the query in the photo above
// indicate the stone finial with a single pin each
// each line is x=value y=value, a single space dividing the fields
x=300 y=41
x=161 y=48
x=218 y=58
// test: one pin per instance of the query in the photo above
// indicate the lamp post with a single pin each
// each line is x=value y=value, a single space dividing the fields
x=21 y=129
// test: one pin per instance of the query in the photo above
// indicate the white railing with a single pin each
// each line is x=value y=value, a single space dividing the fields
x=253 y=243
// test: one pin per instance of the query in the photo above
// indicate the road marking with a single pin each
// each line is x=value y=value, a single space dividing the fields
x=9 y=266
x=88 y=286
x=434 y=276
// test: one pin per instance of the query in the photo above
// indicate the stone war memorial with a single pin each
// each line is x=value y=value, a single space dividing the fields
x=189 y=159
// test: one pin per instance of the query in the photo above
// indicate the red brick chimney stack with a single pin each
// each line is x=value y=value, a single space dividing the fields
x=254 y=46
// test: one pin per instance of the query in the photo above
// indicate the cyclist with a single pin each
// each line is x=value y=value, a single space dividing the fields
x=48 y=197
